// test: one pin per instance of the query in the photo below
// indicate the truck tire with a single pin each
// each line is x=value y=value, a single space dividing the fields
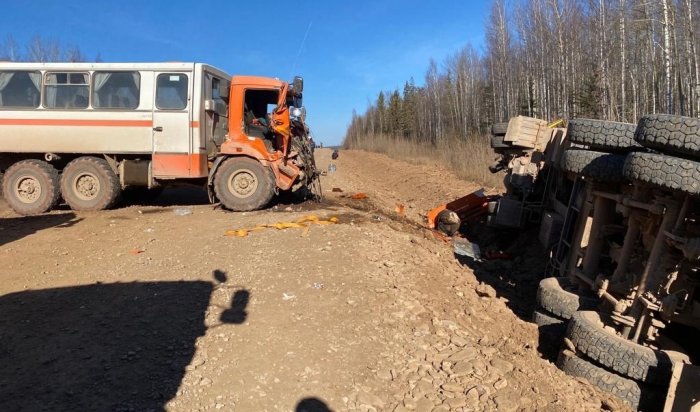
x=89 y=184
x=602 y=135
x=30 y=187
x=638 y=396
x=242 y=184
x=499 y=129
x=498 y=143
x=598 y=166
x=590 y=336
x=542 y=318
x=557 y=297
x=548 y=323
x=663 y=171
x=670 y=134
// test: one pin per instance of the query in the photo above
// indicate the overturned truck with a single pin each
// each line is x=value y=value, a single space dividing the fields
x=619 y=210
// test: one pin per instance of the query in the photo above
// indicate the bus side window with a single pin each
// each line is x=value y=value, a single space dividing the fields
x=20 y=89
x=171 y=91
x=116 y=90
x=66 y=90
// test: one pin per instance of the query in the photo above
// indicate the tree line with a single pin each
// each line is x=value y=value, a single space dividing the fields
x=605 y=59
x=40 y=50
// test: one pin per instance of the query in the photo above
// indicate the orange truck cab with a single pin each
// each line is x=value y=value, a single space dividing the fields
x=267 y=149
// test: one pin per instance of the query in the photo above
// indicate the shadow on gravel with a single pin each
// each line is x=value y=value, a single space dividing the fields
x=102 y=347
x=312 y=405
x=169 y=196
x=15 y=228
x=516 y=277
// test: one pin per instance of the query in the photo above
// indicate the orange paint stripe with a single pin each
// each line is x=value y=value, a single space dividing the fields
x=194 y=123
x=76 y=122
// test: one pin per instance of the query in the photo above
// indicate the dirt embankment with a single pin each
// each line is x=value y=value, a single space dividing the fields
x=141 y=308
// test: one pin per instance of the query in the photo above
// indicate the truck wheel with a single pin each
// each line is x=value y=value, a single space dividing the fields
x=548 y=323
x=602 y=135
x=499 y=129
x=244 y=184
x=30 y=187
x=664 y=171
x=670 y=134
x=638 y=396
x=557 y=296
x=590 y=336
x=598 y=166
x=497 y=142
x=89 y=183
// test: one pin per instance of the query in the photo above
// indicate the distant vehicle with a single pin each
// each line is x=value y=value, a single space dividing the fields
x=85 y=131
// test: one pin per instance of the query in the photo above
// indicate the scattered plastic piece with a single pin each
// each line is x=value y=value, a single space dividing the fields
x=182 y=211
x=287 y=297
x=331 y=168
x=463 y=247
x=136 y=251
x=400 y=209
x=359 y=196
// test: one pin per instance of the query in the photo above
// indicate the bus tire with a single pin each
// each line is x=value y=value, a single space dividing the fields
x=242 y=184
x=30 y=187
x=89 y=184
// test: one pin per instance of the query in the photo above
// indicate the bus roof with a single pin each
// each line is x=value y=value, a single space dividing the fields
x=105 y=66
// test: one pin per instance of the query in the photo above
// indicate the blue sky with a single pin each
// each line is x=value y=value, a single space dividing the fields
x=352 y=50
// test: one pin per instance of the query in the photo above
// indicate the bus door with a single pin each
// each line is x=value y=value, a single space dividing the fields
x=171 y=125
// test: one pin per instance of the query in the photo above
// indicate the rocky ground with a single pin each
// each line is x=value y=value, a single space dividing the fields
x=152 y=307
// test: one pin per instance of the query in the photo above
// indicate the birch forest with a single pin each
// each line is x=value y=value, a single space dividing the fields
x=604 y=59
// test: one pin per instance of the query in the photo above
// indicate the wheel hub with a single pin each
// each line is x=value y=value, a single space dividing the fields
x=86 y=186
x=28 y=189
x=243 y=183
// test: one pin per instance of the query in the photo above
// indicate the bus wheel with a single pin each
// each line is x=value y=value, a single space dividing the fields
x=30 y=187
x=88 y=183
x=244 y=184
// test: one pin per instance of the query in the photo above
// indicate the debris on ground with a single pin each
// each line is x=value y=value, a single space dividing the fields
x=359 y=196
x=449 y=217
x=182 y=211
x=463 y=247
x=302 y=223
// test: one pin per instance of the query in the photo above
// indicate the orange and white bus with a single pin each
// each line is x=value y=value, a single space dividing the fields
x=84 y=131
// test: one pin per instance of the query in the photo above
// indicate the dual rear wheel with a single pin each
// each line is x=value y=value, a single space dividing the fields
x=87 y=183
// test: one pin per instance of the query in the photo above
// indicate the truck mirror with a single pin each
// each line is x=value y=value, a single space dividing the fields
x=298 y=84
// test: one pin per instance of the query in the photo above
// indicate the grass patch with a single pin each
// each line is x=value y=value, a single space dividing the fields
x=468 y=158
